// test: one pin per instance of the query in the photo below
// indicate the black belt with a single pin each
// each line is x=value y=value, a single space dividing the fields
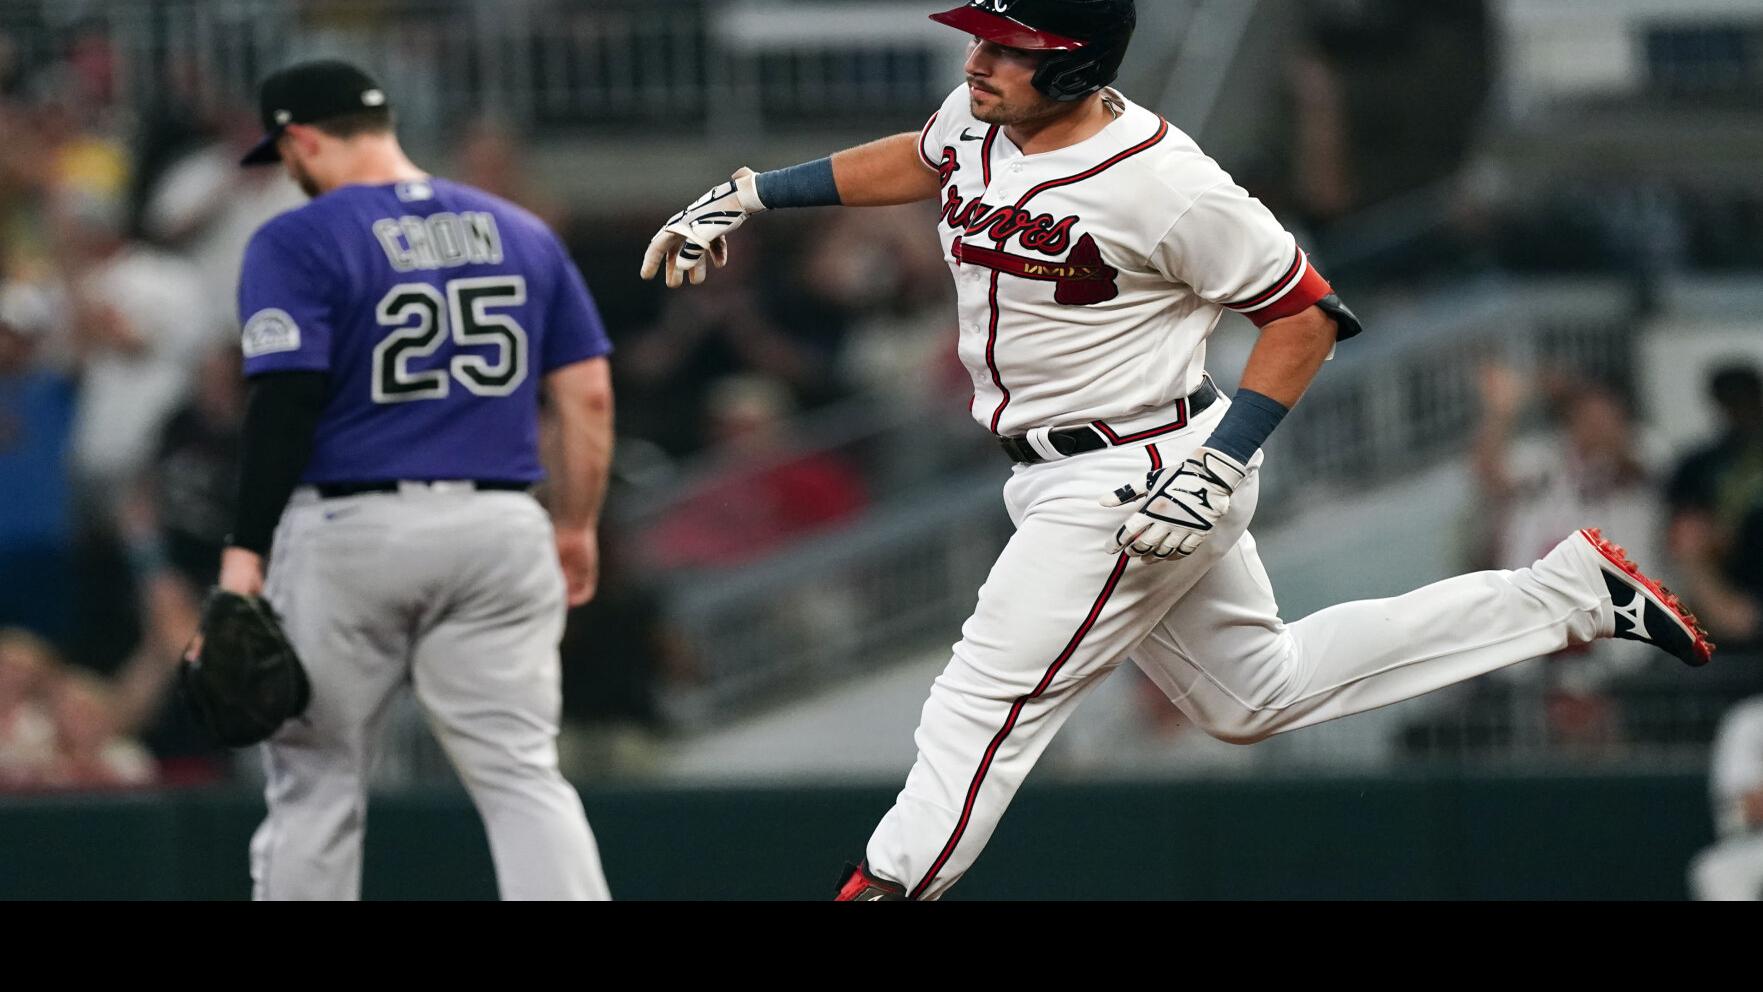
x=1077 y=440
x=341 y=489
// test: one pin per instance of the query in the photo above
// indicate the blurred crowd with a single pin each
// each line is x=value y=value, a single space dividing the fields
x=120 y=400
x=1391 y=163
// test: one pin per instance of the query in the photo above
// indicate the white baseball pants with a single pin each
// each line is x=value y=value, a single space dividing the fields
x=1057 y=614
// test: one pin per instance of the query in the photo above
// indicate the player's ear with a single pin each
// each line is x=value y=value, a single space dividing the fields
x=303 y=137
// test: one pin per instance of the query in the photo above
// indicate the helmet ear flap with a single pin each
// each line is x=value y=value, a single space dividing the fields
x=1060 y=80
x=1073 y=75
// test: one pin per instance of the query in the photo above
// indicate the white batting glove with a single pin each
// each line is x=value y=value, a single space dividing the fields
x=1179 y=506
x=701 y=231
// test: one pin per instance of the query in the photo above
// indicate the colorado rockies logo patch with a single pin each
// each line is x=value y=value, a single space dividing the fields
x=269 y=332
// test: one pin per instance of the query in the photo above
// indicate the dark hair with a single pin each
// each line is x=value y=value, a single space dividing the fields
x=373 y=120
x=1736 y=385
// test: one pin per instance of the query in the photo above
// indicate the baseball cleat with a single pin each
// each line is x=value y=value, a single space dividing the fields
x=1647 y=611
x=858 y=885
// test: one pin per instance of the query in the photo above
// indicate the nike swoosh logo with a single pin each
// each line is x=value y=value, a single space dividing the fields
x=970 y=137
x=339 y=514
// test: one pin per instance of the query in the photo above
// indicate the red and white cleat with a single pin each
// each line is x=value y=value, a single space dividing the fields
x=1647 y=611
x=858 y=885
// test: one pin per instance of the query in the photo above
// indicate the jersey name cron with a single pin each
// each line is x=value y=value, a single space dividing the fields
x=440 y=241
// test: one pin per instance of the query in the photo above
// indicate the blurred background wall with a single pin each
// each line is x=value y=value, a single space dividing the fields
x=1549 y=212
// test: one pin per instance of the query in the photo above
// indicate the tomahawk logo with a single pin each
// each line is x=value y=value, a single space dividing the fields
x=1635 y=613
x=1083 y=279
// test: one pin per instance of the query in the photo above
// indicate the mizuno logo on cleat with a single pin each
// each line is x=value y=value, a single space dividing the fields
x=1635 y=613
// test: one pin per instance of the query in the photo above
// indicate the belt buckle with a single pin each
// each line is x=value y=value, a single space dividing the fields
x=1065 y=441
x=409 y=487
x=1019 y=450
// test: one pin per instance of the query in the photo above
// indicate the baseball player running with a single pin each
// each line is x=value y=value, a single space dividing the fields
x=397 y=331
x=1094 y=248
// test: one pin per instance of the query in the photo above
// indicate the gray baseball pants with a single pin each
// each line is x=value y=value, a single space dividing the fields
x=458 y=593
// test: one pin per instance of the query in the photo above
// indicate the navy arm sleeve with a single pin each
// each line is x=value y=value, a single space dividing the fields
x=280 y=420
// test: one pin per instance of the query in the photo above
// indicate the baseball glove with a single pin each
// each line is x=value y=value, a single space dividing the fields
x=240 y=674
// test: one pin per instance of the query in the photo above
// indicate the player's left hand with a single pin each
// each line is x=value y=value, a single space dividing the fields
x=1179 y=506
x=240 y=673
x=701 y=230
x=241 y=572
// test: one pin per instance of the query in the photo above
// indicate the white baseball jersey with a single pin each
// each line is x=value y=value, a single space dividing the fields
x=1090 y=276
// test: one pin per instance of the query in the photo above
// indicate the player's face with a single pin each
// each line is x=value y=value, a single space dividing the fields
x=1000 y=85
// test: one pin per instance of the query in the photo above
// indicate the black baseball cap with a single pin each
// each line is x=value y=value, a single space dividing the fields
x=308 y=93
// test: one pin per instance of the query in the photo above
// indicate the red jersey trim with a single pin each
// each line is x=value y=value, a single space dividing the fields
x=1299 y=289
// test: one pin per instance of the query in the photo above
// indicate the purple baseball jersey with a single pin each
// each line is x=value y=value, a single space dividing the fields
x=435 y=308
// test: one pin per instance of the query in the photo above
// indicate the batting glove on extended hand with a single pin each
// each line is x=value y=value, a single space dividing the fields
x=701 y=230
x=1179 y=505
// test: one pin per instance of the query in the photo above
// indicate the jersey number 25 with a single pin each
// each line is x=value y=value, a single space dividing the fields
x=422 y=316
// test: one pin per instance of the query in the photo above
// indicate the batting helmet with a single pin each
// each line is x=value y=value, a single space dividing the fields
x=1087 y=39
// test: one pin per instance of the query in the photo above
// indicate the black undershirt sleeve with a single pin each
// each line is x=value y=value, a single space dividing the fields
x=280 y=420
